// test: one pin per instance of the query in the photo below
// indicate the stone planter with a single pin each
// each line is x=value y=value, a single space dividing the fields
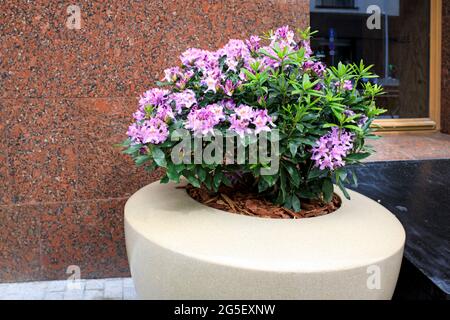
x=180 y=249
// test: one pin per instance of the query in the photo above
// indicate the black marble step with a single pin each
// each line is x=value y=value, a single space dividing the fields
x=418 y=193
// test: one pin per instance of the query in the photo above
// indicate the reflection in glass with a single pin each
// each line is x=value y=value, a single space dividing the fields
x=399 y=50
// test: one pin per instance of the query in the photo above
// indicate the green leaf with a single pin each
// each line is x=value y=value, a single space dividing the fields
x=172 y=173
x=226 y=181
x=283 y=184
x=295 y=201
x=343 y=189
x=315 y=173
x=201 y=174
x=141 y=159
x=132 y=149
x=293 y=148
x=159 y=157
x=327 y=189
x=355 y=178
x=329 y=125
x=164 y=179
x=270 y=180
x=358 y=156
x=262 y=185
x=218 y=179
x=192 y=180
x=123 y=144
x=293 y=173
x=353 y=127
x=208 y=182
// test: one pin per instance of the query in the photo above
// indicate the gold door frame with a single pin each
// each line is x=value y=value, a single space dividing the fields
x=433 y=122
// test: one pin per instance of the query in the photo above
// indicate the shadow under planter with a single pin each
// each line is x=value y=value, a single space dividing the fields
x=180 y=249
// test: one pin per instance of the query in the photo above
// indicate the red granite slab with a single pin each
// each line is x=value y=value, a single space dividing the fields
x=122 y=46
x=85 y=234
x=41 y=139
x=5 y=181
x=19 y=243
x=66 y=96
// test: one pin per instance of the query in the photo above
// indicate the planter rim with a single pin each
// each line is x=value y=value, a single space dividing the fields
x=361 y=232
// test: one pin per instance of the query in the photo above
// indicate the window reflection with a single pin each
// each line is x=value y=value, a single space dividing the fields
x=399 y=50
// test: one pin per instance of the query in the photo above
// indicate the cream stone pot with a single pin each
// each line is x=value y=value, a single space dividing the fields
x=181 y=249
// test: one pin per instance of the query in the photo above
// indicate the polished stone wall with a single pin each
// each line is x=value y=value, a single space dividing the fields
x=66 y=96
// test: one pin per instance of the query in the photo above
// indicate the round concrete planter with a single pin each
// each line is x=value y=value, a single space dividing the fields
x=180 y=249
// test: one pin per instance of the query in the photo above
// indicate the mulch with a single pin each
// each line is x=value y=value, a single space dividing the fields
x=253 y=204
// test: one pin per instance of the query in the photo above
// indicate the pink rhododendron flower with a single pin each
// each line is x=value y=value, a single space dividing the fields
x=134 y=133
x=235 y=50
x=184 y=78
x=332 y=148
x=363 y=120
x=307 y=45
x=346 y=85
x=217 y=110
x=228 y=104
x=244 y=116
x=190 y=56
x=171 y=74
x=262 y=120
x=165 y=113
x=232 y=64
x=183 y=100
x=202 y=121
x=240 y=126
x=211 y=82
x=154 y=97
x=154 y=131
x=228 y=88
x=245 y=112
x=139 y=115
x=253 y=43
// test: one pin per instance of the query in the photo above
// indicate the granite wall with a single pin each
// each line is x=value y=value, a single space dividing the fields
x=66 y=96
x=445 y=98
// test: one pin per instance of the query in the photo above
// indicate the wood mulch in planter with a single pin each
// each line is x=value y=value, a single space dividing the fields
x=253 y=204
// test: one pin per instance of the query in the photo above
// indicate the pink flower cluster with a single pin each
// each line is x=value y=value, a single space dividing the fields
x=316 y=66
x=215 y=75
x=183 y=100
x=157 y=107
x=345 y=85
x=154 y=131
x=331 y=149
x=202 y=121
x=245 y=116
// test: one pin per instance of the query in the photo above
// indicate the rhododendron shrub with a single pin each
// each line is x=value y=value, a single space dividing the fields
x=273 y=84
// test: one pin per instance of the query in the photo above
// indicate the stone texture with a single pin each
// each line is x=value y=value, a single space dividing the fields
x=86 y=234
x=122 y=45
x=19 y=243
x=411 y=146
x=98 y=289
x=445 y=98
x=66 y=97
